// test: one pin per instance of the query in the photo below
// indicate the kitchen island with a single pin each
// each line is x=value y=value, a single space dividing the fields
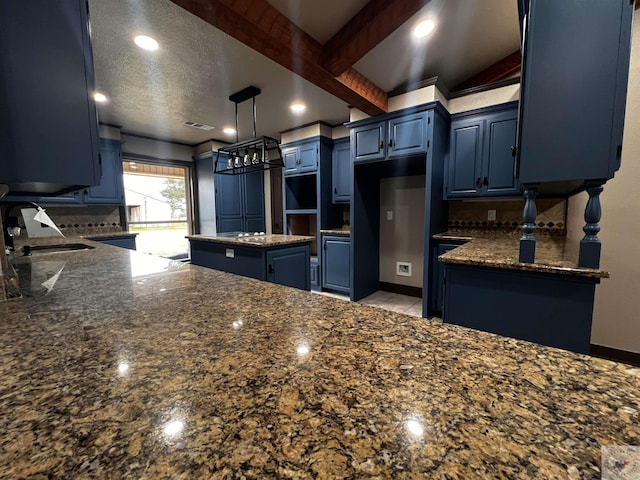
x=281 y=259
x=548 y=302
x=132 y=366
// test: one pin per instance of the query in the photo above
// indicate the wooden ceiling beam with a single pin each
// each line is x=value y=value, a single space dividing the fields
x=500 y=70
x=375 y=22
x=261 y=27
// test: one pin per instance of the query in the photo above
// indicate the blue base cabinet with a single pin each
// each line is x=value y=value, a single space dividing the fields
x=549 y=309
x=128 y=242
x=284 y=264
x=438 y=281
x=481 y=160
x=335 y=263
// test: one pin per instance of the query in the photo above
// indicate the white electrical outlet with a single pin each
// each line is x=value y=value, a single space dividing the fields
x=403 y=269
x=230 y=253
x=389 y=214
x=491 y=215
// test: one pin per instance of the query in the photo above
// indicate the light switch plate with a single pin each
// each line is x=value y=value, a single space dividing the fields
x=491 y=215
x=389 y=214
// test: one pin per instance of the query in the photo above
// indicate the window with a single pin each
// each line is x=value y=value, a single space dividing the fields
x=158 y=207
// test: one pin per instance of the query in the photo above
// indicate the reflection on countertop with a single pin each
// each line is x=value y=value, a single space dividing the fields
x=135 y=366
x=500 y=249
x=253 y=240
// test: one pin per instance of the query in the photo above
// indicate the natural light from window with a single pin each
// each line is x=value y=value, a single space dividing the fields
x=156 y=202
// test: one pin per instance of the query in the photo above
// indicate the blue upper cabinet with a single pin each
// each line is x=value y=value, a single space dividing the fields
x=301 y=158
x=407 y=135
x=48 y=125
x=398 y=136
x=481 y=157
x=111 y=188
x=240 y=202
x=341 y=171
x=368 y=142
x=569 y=132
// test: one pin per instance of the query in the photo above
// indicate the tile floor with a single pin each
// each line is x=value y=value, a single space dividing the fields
x=388 y=301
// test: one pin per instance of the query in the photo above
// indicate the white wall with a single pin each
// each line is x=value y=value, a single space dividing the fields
x=617 y=305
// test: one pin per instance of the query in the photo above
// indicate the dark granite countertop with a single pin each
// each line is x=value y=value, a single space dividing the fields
x=117 y=364
x=336 y=231
x=554 y=253
x=109 y=235
x=254 y=240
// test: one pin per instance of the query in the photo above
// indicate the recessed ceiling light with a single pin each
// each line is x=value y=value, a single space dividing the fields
x=146 y=42
x=229 y=130
x=297 y=107
x=99 y=97
x=424 y=28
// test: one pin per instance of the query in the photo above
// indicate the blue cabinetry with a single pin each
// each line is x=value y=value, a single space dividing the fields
x=554 y=310
x=289 y=267
x=48 y=125
x=240 y=202
x=110 y=190
x=282 y=264
x=399 y=136
x=128 y=242
x=301 y=158
x=568 y=133
x=481 y=160
x=438 y=281
x=335 y=263
x=341 y=171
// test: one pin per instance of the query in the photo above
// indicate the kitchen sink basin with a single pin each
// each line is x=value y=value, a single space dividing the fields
x=56 y=248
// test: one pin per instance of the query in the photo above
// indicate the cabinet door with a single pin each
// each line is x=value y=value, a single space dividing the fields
x=341 y=172
x=465 y=158
x=290 y=267
x=111 y=188
x=335 y=263
x=48 y=124
x=291 y=157
x=253 y=201
x=499 y=176
x=308 y=158
x=565 y=119
x=438 y=284
x=228 y=203
x=369 y=142
x=407 y=135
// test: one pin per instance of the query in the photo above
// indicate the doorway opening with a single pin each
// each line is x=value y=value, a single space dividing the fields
x=158 y=207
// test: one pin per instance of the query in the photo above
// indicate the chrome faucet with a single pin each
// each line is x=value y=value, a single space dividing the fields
x=11 y=227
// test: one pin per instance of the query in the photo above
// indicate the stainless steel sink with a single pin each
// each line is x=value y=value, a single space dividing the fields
x=56 y=248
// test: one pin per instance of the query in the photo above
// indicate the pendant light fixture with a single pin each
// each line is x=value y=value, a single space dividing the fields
x=258 y=153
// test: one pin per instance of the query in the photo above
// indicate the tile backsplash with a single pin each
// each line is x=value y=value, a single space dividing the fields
x=552 y=215
x=86 y=220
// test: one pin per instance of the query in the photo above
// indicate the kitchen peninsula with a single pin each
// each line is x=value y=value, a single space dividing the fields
x=281 y=259
x=135 y=366
x=549 y=301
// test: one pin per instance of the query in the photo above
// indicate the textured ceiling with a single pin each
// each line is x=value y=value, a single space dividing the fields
x=191 y=76
x=470 y=35
x=197 y=66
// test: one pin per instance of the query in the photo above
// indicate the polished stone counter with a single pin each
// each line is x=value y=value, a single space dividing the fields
x=336 y=231
x=122 y=365
x=254 y=240
x=91 y=236
x=554 y=253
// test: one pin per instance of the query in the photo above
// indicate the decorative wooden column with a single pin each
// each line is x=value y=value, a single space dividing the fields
x=590 y=245
x=529 y=214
